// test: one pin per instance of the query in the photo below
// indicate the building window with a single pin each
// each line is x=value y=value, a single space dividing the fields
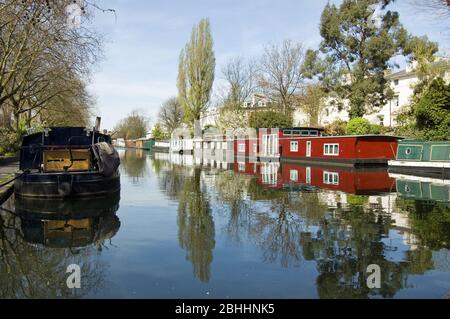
x=255 y=148
x=241 y=147
x=294 y=146
x=294 y=175
x=331 y=149
x=395 y=82
x=330 y=178
x=241 y=167
x=381 y=118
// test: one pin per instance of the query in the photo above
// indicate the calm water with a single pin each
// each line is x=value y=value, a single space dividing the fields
x=232 y=231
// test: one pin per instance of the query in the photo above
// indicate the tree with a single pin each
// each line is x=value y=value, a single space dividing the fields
x=360 y=41
x=338 y=127
x=134 y=126
x=280 y=73
x=240 y=77
x=432 y=111
x=196 y=72
x=358 y=126
x=312 y=103
x=44 y=65
x=171 y=114
x=232 y=118
x=269 y=119
x=158 y=132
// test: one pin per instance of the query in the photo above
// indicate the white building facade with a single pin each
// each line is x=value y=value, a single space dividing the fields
x=402 y=83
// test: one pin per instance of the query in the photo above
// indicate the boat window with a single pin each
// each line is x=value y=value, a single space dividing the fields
x=296 y=132
x=331 y=149
x=408 y=151
x=313 y=133
x=305 y=133
x=287 y=132
x=294 y=146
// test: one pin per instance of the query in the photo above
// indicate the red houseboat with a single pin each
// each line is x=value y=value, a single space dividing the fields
x=309 y=144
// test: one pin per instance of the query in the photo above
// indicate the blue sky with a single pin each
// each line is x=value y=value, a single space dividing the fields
x=142 y=46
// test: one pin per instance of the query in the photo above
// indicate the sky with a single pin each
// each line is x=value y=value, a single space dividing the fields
x=143 y=43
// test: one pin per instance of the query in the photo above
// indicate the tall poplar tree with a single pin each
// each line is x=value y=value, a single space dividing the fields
x=196 y=72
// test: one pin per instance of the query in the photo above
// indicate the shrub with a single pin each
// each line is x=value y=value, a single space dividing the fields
x=338 y=127
x=432 y=111
x=269 y=119
x=358 y=126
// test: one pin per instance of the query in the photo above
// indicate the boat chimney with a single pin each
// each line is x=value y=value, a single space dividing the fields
x=97 y=123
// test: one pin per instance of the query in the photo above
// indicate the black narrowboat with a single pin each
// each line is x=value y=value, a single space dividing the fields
x=64 y=162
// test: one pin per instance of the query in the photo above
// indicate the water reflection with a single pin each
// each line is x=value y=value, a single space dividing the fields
x=196 y=229
x=135 y=163
x=341 y=219
x=39 y=239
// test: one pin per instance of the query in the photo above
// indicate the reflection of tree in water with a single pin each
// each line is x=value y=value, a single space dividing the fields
x=33 y=270
x=278 y=230
x=171 y=181
x=134 y=164
x=233 y=203
x=430 y=221
x=196 y=226
x=351 y=240
x=343 y=243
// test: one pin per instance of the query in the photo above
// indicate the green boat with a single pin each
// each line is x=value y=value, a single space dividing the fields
x=430 y=159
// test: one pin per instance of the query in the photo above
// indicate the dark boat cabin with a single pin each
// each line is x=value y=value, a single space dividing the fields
x=62 y=149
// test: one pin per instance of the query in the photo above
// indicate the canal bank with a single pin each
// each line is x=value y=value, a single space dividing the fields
x=8 y=167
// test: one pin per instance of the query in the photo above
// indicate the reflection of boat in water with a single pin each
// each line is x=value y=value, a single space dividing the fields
x=67 y=162
x=287 y=176
x=69 y=223
x=422 y=188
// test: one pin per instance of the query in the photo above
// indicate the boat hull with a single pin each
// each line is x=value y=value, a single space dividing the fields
x=439 y=170
x=66 y=185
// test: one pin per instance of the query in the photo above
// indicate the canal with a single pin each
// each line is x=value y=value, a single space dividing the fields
x=236 y=230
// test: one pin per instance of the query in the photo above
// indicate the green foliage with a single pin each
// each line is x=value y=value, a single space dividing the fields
x=377 y=129
x=196 y=72
x=358 y=126
x=361 y=51
x=158 y=133
x=269 y=119
x=10 y=140
x=338 y=127
x=357 y=200
x=432 y=111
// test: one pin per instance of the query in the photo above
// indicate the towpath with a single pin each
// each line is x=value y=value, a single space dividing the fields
x=7 y=170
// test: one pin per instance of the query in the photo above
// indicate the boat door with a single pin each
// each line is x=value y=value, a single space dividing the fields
x=308 y=149
x=270 y=144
